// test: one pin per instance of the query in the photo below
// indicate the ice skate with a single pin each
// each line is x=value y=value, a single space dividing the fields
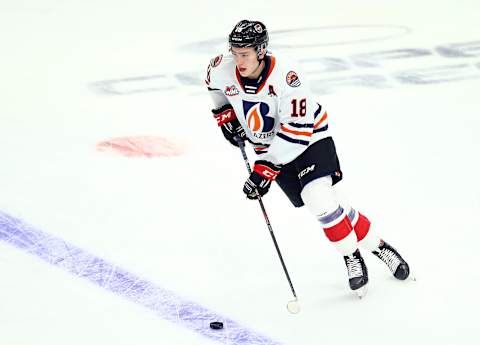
x=393 y=260
x=357 y=273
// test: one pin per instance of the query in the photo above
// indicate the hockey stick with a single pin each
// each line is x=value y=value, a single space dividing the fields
x=293 y=305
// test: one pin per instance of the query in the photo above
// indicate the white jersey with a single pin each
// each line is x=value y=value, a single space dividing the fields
x=277 y=111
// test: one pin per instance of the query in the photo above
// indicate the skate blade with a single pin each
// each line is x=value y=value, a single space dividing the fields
x=362 y=292
x=412 y=276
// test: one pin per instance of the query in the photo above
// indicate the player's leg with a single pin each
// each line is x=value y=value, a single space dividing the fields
x=371 y=241
x=319 y=197
x=317 y=170
x=321 y=201
x=339 y=231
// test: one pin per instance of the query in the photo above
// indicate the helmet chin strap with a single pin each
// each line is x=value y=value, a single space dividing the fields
x=259 y=64
x=259 y=60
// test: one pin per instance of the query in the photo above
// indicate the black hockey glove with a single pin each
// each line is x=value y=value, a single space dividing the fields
x=260 y=179
x=228 y=122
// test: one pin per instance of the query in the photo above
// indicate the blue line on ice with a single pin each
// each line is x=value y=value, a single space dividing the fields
x=164 y=303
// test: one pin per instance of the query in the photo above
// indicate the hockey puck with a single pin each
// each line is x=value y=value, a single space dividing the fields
x=216 y=325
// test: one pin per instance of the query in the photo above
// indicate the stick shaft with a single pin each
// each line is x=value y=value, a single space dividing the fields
x=241 y=145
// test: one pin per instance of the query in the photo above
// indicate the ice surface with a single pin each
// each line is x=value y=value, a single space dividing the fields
x=84 y=265
x=400 y=83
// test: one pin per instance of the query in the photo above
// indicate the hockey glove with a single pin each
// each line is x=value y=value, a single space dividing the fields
x=260 y=179
x=228 y=122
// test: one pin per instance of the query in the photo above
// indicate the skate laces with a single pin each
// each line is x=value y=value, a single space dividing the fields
x=390 y=258
x=354 y=267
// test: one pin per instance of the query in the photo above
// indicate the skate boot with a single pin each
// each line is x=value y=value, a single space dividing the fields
x=393 y=260
x=357 y=273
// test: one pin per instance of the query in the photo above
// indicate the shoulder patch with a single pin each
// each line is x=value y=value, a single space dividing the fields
x=292 y=79
x=216 y=60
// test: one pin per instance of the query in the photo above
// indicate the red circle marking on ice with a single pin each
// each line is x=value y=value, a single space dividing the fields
x=142 y=146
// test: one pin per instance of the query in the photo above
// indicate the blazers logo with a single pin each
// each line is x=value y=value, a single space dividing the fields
x=231 y=91
x=258 y=121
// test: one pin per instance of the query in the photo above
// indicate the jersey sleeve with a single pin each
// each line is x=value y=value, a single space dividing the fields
x=211 y=80
x=218 y=98
x=297 y=112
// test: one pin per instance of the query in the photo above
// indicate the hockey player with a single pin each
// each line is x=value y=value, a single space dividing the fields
x=266 y=100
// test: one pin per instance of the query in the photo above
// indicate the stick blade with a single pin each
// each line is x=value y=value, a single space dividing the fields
x=293 y=307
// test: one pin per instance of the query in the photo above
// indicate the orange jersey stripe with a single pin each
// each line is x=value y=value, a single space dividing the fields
x=285 y=129
x=324 y=117
x=272 y=65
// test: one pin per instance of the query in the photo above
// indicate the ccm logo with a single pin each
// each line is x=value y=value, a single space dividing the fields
x=224 y=117
x=307 y=170
x=269 y=174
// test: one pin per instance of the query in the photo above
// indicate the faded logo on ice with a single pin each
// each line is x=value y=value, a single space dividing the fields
x=375 y=68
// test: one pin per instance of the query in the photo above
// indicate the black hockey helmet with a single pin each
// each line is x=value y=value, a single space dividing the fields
x=249 y=33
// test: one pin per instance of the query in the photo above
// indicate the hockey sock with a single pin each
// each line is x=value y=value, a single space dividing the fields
x=321 y=200
x=339 y=231
x=366 y=238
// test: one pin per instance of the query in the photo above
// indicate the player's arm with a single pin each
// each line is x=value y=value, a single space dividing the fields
x=223 y=111
x=228 y=123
